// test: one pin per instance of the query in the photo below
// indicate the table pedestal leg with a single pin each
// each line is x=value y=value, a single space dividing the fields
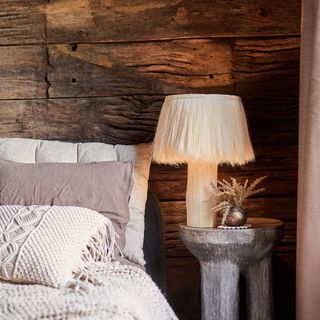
x=259 y=290
x=220 y=291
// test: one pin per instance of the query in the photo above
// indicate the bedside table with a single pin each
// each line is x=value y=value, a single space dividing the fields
x=223 y=255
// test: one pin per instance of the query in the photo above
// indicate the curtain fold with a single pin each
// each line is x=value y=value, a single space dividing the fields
x=308 y=238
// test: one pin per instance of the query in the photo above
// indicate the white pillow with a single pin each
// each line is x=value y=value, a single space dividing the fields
x=39 y=151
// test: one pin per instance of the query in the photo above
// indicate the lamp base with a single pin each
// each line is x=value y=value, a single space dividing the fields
x=200 y=175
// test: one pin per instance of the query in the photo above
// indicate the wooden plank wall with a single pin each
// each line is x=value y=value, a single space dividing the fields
x=98 y=70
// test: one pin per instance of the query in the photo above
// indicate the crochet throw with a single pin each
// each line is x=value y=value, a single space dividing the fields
x=52 y=245
x=57 y=263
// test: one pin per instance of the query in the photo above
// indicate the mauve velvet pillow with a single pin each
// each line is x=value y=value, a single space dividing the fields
x=104 y=187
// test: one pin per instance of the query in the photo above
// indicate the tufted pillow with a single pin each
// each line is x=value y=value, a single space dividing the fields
x=39 y=151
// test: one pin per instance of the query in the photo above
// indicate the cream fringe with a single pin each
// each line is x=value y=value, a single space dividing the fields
x=100 y=249
x=198 y=127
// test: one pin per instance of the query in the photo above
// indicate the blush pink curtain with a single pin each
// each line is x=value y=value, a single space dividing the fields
x=308 y=246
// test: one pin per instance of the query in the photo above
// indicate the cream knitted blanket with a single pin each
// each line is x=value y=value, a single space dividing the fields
x=52 y=245
x=126 y=293
x=64 y=257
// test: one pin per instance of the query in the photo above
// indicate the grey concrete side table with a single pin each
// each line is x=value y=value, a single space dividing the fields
x=223 y=255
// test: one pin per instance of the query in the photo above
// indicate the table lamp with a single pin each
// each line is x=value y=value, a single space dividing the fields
x=202 y=130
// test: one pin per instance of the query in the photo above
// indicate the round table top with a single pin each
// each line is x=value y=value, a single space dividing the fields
x=262 y=229
x=242 y=246
x=256 y=223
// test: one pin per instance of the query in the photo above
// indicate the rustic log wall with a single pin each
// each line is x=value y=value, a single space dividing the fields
x=98 y=70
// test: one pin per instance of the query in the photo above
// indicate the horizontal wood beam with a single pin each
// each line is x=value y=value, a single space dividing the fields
x=94 y=21
x=170 y=67
x=170 y=183
x=131 y=119
x=125 y=69
x=126 y=120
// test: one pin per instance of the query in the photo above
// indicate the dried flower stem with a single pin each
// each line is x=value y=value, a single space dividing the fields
x=232 y=194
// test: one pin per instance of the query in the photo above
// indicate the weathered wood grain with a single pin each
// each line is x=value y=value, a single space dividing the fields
x=23 y=72
x=22 y=22
x=266 y=68
x=271 y=132
x=127 y=20
x=38 y=21
x=278 y=184
x=170 y=67
x=170 y=183
x=275 y=156
x=127 y=120
x=126 y=69
x=265 y=71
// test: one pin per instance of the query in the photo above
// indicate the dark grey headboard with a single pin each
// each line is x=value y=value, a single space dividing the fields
x=154 y=246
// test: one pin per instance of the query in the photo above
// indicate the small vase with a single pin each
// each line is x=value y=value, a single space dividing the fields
x=236 y=217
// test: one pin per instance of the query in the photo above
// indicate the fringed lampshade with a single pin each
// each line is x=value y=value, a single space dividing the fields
x=203 y=130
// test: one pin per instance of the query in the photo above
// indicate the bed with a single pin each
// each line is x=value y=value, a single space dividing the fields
x=106 y=288
x=153 y=247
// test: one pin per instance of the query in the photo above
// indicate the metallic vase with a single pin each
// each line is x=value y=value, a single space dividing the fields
x=236 y=217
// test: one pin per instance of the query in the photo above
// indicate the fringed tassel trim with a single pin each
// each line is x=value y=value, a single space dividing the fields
x=99 y=249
